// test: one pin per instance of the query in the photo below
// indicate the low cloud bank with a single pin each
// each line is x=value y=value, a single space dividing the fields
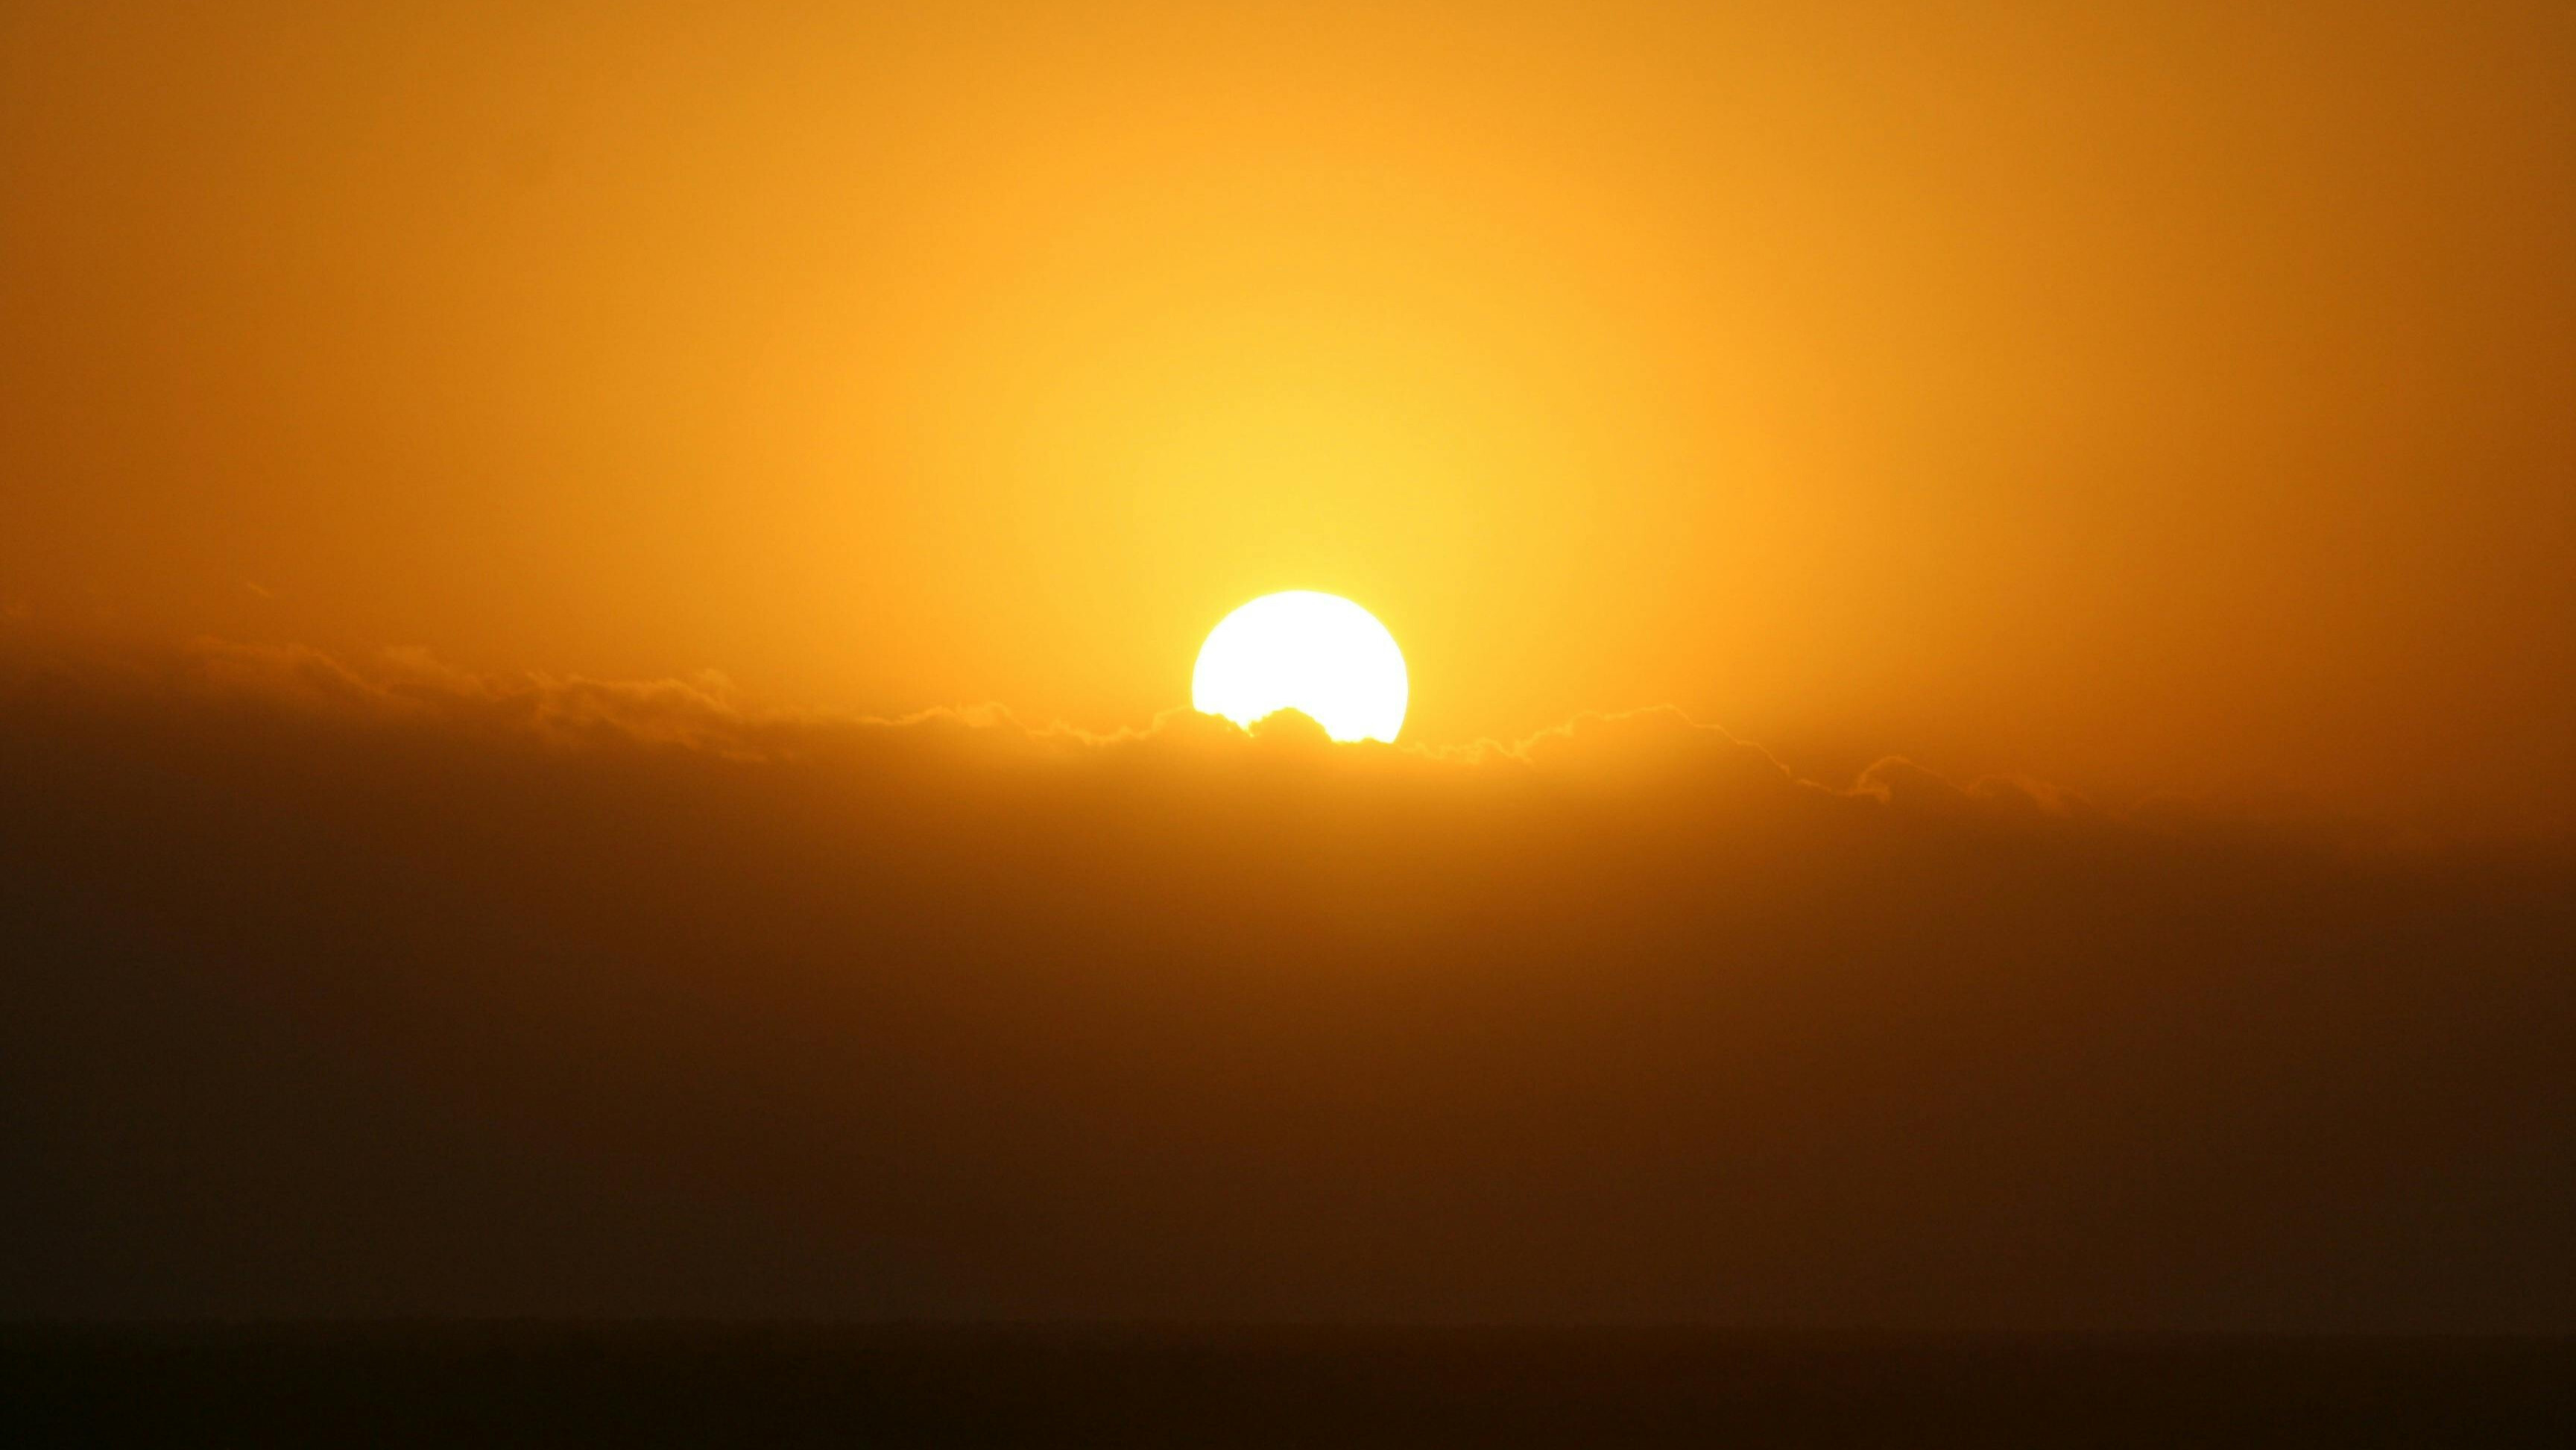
x=392 y=989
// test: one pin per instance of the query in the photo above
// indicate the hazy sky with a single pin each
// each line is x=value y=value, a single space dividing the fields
x=594 y=601
x=2154 y=398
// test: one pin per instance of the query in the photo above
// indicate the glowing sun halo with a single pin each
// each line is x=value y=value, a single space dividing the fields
x=1318 y=653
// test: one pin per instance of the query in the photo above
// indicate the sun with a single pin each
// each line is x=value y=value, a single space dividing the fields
x=1318 y=653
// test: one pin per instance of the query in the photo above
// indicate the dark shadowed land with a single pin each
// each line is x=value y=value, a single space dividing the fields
x=529 y=1383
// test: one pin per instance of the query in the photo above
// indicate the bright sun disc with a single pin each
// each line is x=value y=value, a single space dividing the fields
x=1318 y=653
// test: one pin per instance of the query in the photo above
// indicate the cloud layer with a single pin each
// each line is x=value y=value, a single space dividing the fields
x=391 y=989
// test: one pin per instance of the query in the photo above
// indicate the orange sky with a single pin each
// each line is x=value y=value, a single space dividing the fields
x=2170 y=397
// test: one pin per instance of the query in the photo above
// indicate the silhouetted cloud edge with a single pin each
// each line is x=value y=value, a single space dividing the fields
x=1650 y=746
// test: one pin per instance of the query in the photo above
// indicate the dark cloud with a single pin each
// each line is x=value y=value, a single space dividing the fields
x=395 y=989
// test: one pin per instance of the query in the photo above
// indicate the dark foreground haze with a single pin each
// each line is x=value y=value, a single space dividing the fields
x=395 y=992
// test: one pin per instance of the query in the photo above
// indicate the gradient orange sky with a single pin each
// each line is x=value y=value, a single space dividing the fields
x=2158 y=398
